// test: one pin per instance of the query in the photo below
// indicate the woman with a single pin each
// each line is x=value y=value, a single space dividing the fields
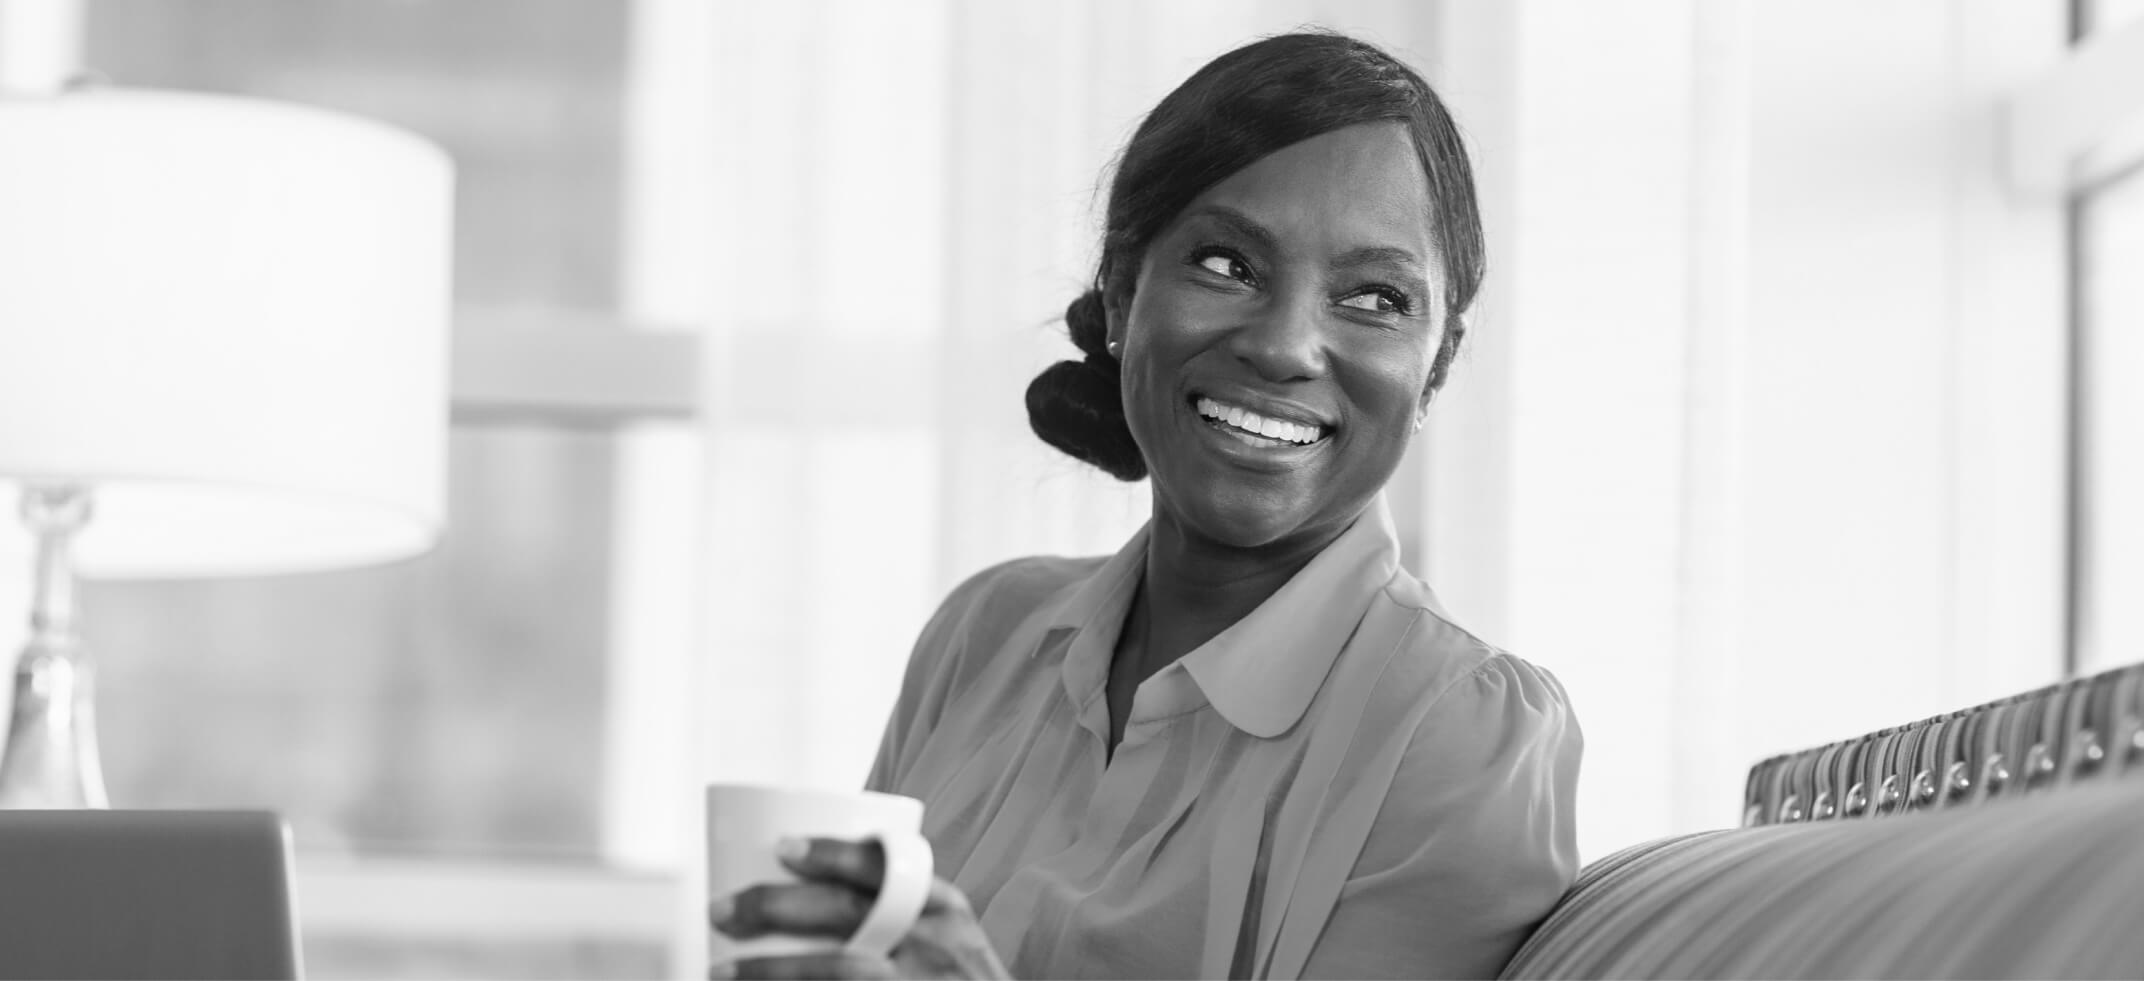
x=1248 y=744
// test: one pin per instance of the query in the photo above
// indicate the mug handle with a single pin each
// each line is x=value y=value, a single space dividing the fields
x=900 y=896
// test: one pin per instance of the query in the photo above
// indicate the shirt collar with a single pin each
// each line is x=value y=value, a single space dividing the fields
x=1262 y=672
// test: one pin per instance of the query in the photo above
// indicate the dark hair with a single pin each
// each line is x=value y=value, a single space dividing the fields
x=1236 y=110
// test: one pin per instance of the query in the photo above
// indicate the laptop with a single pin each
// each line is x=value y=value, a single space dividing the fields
x=146 y=894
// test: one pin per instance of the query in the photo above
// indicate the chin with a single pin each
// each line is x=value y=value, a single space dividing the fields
x=1240 y=518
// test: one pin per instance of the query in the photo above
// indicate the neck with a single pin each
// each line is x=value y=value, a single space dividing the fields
x=1194 y=588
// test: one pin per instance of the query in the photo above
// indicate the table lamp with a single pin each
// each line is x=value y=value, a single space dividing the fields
x=223 y=342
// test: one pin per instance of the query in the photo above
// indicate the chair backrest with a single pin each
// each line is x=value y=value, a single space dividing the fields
x=146 y=894
x=2080 y=730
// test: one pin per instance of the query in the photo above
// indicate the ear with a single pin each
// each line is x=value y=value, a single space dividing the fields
x=1453 y=332
x=1113 y=303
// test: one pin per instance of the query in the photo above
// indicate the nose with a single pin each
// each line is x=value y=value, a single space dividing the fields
x=1283 y=341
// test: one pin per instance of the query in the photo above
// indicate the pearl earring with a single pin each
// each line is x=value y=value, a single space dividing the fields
x=1116 y=348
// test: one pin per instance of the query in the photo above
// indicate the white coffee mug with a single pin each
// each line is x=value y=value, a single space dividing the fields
x=746 y=822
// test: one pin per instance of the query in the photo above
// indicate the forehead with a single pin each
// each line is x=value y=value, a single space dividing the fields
x=1357 y=186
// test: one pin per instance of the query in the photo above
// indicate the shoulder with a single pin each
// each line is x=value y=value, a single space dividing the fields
x=1033 y=579
x=989 y=609
x=1010 y=591
x=974 y=623
x=1456 y=670
x=1492 y=752
x=1473 y=838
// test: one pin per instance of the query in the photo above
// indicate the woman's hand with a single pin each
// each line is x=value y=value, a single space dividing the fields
x=841 y=881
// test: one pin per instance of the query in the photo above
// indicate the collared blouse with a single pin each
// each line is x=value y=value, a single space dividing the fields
x=1341 y=784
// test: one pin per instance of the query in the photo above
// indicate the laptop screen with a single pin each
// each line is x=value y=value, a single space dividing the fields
x=146 y=894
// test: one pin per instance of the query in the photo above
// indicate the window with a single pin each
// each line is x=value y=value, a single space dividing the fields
x=2108 y=308
x=2110 y=243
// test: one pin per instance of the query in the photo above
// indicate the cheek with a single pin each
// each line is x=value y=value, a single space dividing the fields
x=1386 y=387
x=1147 y=354
x=1168 y=314
x=1164 y=330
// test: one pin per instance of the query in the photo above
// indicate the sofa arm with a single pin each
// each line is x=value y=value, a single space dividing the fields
x=2048 y=886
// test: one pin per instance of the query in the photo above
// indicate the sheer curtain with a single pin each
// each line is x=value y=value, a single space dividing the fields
x=1766 y=444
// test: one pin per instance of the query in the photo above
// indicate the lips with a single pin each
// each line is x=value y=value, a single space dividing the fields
x=1260 y=419
x=1260 y=432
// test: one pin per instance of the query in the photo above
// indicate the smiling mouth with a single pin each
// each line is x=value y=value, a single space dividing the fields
x=1253 y=429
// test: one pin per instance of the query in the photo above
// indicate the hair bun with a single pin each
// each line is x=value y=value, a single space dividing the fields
x=1078 y=406
x=1087 y=320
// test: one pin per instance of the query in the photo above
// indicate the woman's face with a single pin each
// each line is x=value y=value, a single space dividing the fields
x=1278 y=341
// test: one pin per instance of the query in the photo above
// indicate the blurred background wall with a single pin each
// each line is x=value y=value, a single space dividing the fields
x=1790 y=412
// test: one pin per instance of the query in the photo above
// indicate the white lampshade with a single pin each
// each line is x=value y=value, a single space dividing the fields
x=227 y=317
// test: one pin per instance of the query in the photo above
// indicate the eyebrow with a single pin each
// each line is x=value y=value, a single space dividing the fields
x=1384 y=255
x=1243 y=225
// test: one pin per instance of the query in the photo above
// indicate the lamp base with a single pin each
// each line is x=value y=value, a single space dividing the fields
x=51 y=758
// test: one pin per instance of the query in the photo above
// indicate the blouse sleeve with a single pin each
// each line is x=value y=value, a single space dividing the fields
x=1475 y=841
x=925 y=683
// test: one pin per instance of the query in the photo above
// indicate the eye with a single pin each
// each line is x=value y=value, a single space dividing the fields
x=1223 y=263
x=1379 y=299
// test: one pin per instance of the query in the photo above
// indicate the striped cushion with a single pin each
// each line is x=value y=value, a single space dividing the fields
x=2046 y=886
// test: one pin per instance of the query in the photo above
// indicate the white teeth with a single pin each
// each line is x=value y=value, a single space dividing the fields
x=1252 y=422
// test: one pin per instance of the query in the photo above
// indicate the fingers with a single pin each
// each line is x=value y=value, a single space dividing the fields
x=946 y=897
x=832 y=964
x=816 y=909
x=861 y=864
